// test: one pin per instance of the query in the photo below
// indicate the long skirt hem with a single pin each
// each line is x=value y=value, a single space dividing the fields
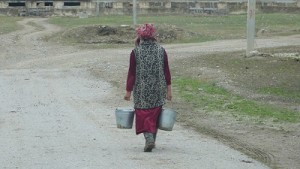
x=146 y=120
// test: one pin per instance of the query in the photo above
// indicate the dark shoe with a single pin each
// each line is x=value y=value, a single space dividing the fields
x=149 y=142
x=149 y=147
x=154 y=137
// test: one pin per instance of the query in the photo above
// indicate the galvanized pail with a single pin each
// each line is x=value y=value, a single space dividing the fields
x=167 y=119
x=124 y=117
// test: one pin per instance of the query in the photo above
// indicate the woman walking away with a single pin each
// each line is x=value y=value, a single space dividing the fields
x=150 y=80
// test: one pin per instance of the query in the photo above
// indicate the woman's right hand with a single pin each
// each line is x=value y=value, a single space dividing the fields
x=127 y=96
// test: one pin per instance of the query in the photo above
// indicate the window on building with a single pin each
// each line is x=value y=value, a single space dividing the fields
x=156 y=4
x=108 y=4
x=71 y=3
x=48 y=3
x=16 y=4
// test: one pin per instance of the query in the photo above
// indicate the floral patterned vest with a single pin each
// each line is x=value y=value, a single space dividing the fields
x=150 y=84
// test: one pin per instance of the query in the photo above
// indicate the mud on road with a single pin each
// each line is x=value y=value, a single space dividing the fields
x=57 y=110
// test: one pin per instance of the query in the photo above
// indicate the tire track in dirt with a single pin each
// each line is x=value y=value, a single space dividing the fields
x=250 y=150
x=233 y=142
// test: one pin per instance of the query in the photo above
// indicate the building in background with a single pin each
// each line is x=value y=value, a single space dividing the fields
x=124 y=7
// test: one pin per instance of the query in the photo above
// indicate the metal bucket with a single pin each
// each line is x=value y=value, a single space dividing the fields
x=124 y=117
x=167 y=119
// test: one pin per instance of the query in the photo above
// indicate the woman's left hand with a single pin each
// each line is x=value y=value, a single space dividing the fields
x=169 y=93
x=169 y=96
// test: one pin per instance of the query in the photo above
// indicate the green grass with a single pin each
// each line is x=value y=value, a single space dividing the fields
x=9 y=24
x=279 y=91
x=207 y=27
x=210 y=97
x=278 y=20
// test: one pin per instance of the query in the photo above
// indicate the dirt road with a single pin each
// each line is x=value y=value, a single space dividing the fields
x=55 y=113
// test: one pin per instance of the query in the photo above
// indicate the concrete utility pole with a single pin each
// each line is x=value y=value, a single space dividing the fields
x=134 y=12
x=250 y=26
x=97 y=8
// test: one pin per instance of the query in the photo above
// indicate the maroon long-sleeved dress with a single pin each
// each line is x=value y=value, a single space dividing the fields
x=146 y=118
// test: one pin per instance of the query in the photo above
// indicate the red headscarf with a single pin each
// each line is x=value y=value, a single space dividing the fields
x=146 y=31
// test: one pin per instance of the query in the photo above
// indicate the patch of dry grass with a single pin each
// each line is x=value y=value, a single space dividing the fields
x=9 y=24
x=256 y=81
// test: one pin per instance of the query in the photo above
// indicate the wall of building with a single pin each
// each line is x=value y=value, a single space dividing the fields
x=3 y=4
